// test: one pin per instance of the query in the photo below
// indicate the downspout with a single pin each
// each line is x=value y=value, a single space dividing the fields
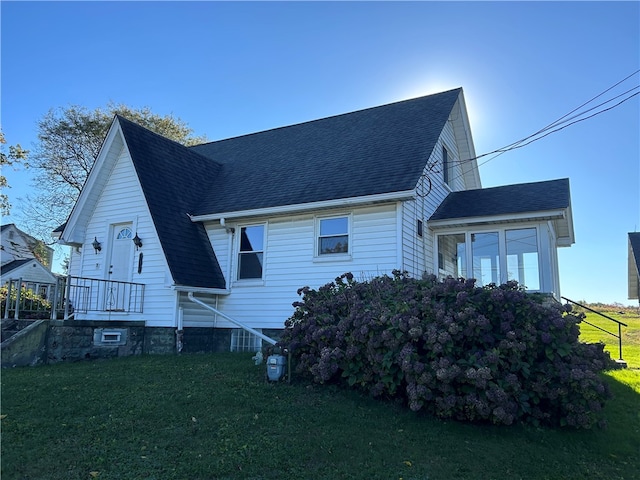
x=232 y=320
x=180 y=331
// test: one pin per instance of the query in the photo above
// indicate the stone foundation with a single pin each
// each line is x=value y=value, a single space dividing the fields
x=74 y=340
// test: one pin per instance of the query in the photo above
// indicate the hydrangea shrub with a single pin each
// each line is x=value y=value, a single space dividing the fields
x=450 y=348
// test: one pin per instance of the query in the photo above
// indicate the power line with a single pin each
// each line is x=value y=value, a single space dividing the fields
x=559 y=121
x=559 y=124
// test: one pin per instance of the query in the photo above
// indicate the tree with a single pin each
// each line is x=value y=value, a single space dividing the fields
x=69 y=141
x=16 y=155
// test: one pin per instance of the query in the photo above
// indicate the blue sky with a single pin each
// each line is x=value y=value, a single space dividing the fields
x=239 y=67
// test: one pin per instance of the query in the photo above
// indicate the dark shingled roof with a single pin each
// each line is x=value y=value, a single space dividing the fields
x=8 y=267
x=173 y=180
x=634 y=240
x=508 y=199
x=373 y=151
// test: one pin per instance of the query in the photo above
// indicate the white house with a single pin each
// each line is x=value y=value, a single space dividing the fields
x=243 y=223
x=633 y=269
x=18 y=260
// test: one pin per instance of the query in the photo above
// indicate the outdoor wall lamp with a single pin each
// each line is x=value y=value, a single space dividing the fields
x=96 y=245
x=137 y=241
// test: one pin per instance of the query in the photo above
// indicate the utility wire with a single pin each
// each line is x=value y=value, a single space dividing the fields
x=562 y=122
x=559 y=120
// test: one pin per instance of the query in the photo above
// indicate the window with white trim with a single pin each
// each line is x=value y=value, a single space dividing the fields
x=523 y=257
x=243 y=341
x=251 y=252
x=333 y=235
x=492 y=256
x=445 y=165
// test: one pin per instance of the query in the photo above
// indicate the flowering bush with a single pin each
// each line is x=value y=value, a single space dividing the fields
x=491 y=354
x=32 y=305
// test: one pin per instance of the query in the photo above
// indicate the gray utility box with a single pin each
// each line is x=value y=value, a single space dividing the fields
x=275 y=367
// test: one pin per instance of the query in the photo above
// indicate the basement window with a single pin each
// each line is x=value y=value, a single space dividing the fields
x=243 y=341
x=110 y=337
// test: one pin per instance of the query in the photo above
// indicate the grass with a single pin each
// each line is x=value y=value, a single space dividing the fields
x=215 y=417
x=630 y=334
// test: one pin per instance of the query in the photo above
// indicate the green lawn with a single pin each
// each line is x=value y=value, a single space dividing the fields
x=215 y=417
x=630 y=334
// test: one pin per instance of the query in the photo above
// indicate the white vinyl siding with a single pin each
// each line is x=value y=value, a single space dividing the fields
x=292 y=264
x=418 y=252
x=122 y=201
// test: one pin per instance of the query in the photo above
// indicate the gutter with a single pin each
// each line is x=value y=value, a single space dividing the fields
x=537 y=216
x=232 y=320
x=212 y=291
x=304 y=207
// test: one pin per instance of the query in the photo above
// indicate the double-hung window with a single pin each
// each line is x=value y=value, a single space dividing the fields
x=333 y=235
x=251 y=252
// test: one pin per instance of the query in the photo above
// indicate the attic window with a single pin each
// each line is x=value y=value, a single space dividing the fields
x=419 y=228
x=445 y=165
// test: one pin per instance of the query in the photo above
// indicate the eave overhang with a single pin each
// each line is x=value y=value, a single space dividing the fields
x=73 y=231
x=561 y=219
x=307 y=207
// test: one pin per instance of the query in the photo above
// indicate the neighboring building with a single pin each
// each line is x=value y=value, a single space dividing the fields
x=633 y=269
x=19 y=253
x=29 y=270
x=18 y=245
x=243 y=223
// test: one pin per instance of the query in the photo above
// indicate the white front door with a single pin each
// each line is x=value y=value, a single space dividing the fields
x=120 y=262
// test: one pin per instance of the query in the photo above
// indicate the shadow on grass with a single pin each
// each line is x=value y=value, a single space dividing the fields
x=215 y=417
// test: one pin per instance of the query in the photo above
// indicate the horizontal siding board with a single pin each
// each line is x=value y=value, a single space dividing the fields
x=290 y=264
x=122 y=201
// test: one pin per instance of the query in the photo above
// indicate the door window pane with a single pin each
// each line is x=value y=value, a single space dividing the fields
x=486 y=258
x=522 y=257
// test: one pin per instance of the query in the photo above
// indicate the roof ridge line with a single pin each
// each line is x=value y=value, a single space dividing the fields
x=326 y=118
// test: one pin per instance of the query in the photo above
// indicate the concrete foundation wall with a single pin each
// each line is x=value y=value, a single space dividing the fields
x=27 y=347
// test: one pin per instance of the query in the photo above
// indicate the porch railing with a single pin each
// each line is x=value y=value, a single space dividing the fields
x=29 y=300
x=96 y=295
x=619 y=323
x=70 y=295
